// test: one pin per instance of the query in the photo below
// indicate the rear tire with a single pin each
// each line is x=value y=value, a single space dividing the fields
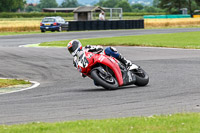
x=97 y=77
x=142 y=77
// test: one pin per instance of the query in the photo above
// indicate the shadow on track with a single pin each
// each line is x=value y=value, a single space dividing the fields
x=100 y=89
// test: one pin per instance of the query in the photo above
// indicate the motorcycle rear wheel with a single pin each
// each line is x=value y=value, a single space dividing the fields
x=109 y=84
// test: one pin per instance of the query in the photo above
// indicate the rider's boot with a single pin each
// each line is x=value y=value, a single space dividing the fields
x=126 y=62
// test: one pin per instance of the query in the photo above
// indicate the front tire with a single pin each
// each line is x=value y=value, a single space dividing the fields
x=109 y=84
x=142 y=77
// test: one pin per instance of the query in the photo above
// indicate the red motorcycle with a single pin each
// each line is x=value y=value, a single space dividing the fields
x=108 y=72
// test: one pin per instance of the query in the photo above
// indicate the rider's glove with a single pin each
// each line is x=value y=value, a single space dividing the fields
x=88 y=46
x=99 y=49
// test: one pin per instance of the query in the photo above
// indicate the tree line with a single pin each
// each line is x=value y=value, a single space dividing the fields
x=11 y=5
x=127 y=7
x=168 y=6
x=174 y=6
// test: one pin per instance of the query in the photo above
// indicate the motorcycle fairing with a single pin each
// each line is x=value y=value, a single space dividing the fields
x=113 y=65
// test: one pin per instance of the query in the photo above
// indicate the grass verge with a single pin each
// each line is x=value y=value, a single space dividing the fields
x=26 y=32
x=189 y=40
x=11 y=82
x=179 y=123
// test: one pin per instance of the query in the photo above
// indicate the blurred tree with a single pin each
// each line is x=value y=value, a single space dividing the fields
x=11 y=5
x=127 y=7
x=137 y=6
x=48 y=4
x=170 y=5
x=69 y=3
x=111 y=3
x=151 y=9
x=108 y=3
x=156 y=3
x=175 y=5
x=31 y=8
x=124 y=5
x=100 y=3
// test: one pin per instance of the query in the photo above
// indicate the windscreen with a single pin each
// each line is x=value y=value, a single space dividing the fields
x=48 y=20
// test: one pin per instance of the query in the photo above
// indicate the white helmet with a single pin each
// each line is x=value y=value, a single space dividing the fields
x=74 y=46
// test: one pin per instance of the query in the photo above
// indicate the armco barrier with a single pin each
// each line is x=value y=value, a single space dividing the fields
x=105 y=25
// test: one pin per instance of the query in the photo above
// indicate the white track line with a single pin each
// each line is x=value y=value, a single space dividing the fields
x=163 y=48
x=145 y=47
x=31 y=46
x=26 y=45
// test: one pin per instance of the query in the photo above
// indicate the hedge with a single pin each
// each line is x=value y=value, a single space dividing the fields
x=140 y=14
x=41 y=14
x=32 y=15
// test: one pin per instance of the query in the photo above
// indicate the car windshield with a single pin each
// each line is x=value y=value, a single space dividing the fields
x=48 y=20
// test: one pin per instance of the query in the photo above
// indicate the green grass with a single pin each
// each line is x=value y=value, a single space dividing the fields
x=179 y=123
x=19 y=33
x=11 y=82
x=26 y=32
x=132 y=17
x=189 y=40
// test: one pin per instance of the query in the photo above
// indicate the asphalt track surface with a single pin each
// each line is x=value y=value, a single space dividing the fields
x=63 y=95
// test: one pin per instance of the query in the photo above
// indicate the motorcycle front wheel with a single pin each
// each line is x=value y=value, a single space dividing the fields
x=142 y=77
x=106 y=81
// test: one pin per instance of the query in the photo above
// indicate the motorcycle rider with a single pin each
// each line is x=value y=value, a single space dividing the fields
x=75 y=48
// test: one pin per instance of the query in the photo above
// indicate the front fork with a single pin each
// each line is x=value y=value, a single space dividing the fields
x=128 y=76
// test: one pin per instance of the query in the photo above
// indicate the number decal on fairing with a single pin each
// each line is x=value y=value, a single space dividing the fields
x=83 y=62
x=101 y=58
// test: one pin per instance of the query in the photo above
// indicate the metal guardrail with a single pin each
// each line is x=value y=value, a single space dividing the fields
x=105 y=25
